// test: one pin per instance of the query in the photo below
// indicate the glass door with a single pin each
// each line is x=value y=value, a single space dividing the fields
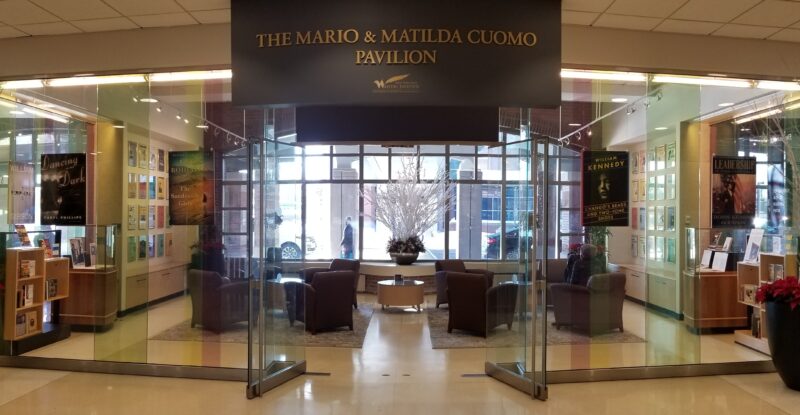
x=276 y=345
x=515 y=311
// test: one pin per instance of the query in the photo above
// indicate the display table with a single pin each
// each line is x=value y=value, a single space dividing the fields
x=378 y=271
x=401 y=293
x=710 y=300
x=92 y=304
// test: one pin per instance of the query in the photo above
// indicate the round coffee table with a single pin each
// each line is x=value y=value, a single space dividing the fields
x=401 y=293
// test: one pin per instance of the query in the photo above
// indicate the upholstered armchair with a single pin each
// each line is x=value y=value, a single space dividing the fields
x=478 y=307
x=324 y=303
x=596 y=308
x=350 y=265
x=445 y=267
x=217 y=303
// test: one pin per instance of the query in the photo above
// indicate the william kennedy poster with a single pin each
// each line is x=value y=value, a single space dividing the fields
x=191 y=188
x=21 y=193
x=63 y=189
x=733 y=192
x=605 y=188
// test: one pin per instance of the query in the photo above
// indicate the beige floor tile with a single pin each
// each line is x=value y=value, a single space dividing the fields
x=769 y=388
x=18 y=382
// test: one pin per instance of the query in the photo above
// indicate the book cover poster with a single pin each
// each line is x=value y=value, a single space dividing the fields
x=152 y=188
x=733 y=198
x=160 y=217
x=142 y=186
x=132 y=152
x=63 y=198
x=160 y=184
x=142 y=217
x=151 y=217
x=191 y=188
x=132 y=185
x=21 y=190
x=132 y=212
x=160 y=245
x=605 y=188
x=168 y=244
x=131 y=248
x=141 y=154
x=151 y=246
x=142 y=246
x=161 y=160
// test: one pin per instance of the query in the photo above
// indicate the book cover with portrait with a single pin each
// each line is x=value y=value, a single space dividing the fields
x=191 y=188
x=733 y=197
x=605 y=188
x=63 y=194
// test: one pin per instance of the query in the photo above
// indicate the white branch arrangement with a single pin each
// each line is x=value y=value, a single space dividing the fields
x=409 y=206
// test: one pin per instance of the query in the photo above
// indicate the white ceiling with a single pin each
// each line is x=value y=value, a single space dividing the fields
x=757 y=19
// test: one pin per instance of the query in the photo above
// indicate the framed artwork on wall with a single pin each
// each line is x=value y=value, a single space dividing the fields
x=132 y=212
x=671 y=186
x=133 y=185
x=142 y=217
x=651 y=160
x=142 y=156
x=634 y=246
x=151 y=215
x=671 y=252
x=142 y=186
x=133 y=149
x=634 y=218
x=635 y=163
x=635 y=193
x=651 y=248
x=642 y=219
x=142 y=247
x=671 y=218
x=153 y=159
x=671 y=155
x=161 y=160
x=131 y=248
x=642 y=247
x=160 y=187
x=660 y=248
x=651 y=188
x=651 y=218
x=660 y=183
x=661 y=157
x=659 y=218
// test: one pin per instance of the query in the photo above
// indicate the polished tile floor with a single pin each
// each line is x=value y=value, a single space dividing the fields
x=396 y=372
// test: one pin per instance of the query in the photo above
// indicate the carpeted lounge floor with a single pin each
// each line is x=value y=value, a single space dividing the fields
x=279 y=333
x=502 y=337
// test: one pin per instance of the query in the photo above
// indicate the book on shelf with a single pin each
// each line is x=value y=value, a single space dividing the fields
x=75 y=250
x=775 y=272
x=28 y=297
x=20 y=325
x=32 y=327
x=48 y=249
x=24 y=239
x=52 y=288
x=27 y=268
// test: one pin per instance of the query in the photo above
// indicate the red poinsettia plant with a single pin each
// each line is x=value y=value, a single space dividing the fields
x=785 y=290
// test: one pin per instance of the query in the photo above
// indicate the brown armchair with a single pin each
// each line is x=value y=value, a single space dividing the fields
x=476 y=306
x=596 y=308
x=217 y=303
x=351 y=265
x=324 y=303
x=445 y=267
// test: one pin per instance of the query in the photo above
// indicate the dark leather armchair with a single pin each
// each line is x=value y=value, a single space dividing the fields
x=596 y=308
x=445 y=267
x=478 y=307
x=324 y=303
x=217 y=303
x=350 y=265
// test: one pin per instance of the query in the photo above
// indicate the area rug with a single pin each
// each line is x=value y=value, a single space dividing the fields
x=278 y=332
x=502 y=337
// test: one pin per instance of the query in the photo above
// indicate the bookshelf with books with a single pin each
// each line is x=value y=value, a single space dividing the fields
x=750 y=276
x=25 y=293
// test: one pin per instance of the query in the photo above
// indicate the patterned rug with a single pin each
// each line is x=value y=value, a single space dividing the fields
x=502 y=337
x=279 y=332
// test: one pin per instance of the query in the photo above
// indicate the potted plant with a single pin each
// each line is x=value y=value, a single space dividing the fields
x=409 y=206
x=781 y=298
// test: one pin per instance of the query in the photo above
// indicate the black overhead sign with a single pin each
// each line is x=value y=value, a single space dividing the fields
x=414 y=52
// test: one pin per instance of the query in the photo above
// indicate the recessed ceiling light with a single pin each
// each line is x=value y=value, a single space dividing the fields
x=574 y=124
x=158 y=108
x=726 y=104
x=744 y=129
x=149 y=100
x=603 y=75
x=186 y=121
x=202 y=126
x=178 y=117
x=619 y=100
x=16 y=112
x=119 y=126
x=660 y=128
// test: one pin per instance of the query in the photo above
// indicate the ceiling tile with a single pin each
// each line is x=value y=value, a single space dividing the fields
x=104 y=25
x=193 y=5
x=578 y=18
x=722 y=11
x=213 y=16
x=771 y=13
x=16 y=12
x=141 y=7
x=651 y=8
x=627 y=22
x=162 y=20
x=586 y=5
x=787 y=35
x=40 y=29
x=753 y=32
x=77 y=9
x=686 y=26
x=7 y=32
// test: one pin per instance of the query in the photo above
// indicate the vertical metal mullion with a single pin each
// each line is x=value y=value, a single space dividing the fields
x=361 y=202
x=449 y=202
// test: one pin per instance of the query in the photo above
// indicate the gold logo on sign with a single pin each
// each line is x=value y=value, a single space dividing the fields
x=381 y=84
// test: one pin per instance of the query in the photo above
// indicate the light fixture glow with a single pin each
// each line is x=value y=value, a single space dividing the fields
x=603 y=75
x=619 y=100
x=7 y=104
x=27 y=84
x=46 y=114
x=190 y=76
x=148 y=100
x=96 y=80
x=118 y=126
x=661 y=128
x=793 y=107
x=15 y=112
x=186 y=121
x=781 y=86
x=725 y=104
x=178 y=117
x=574 y=124
x=757 y=116
x=158 y=108
x=202 y=126
x=697 y=80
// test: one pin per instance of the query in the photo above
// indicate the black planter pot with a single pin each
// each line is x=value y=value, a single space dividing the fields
x=783 y=332
x=404 y=258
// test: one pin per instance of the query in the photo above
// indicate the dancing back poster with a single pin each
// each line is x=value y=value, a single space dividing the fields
x=191 y=188
x=605 y=188
x=21 y=189
x=733 y=192
x=63 y=200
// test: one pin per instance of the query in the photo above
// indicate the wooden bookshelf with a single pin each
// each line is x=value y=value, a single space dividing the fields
x=754 y=275
x=57 y=270
x=25 y=285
